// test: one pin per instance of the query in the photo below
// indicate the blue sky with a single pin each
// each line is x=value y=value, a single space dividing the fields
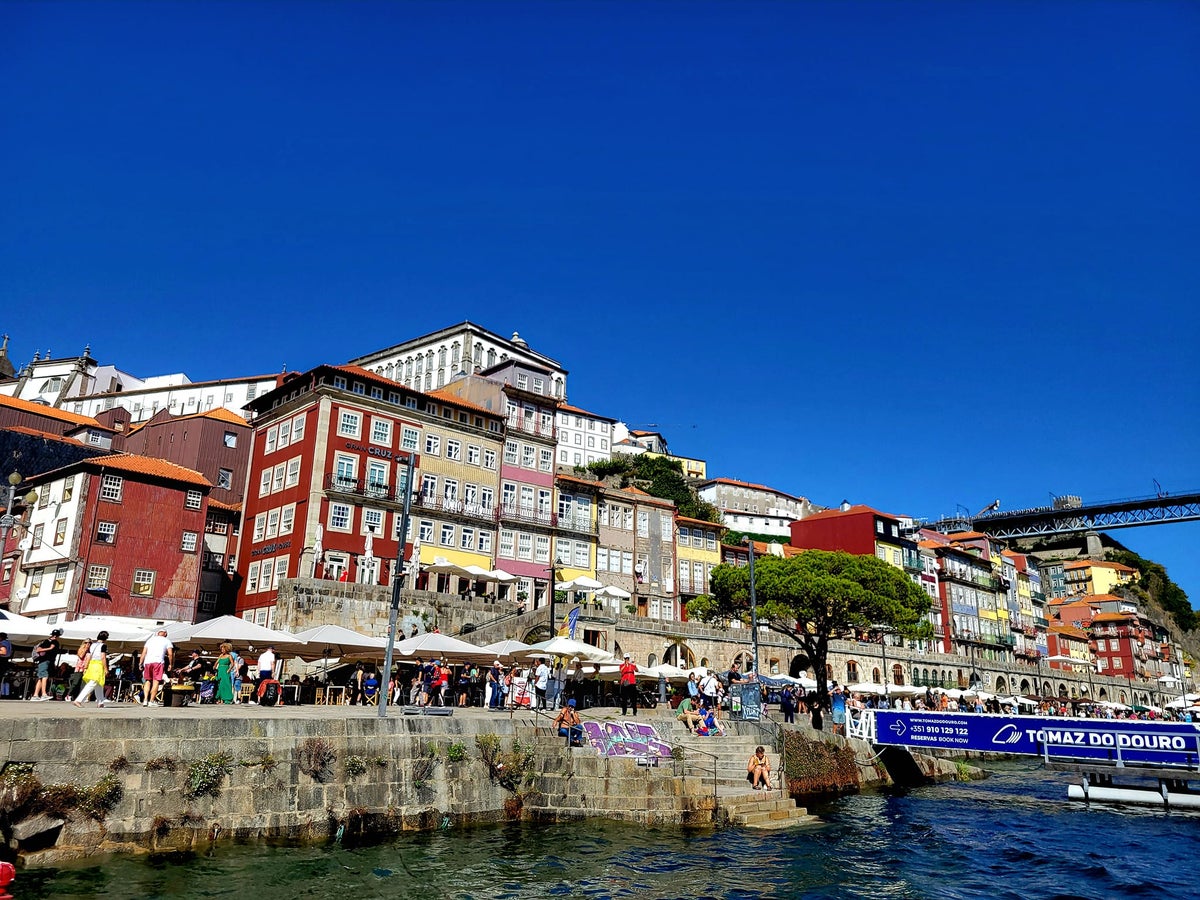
x=912 y=255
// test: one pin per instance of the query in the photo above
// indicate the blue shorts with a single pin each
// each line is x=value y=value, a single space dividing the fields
x=43 y=669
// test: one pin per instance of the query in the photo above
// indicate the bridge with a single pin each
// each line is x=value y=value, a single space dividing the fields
x=1105 y=516
x=1096 y=750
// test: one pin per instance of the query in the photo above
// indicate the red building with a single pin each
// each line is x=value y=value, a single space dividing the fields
x=114 y=535
x=326 y=482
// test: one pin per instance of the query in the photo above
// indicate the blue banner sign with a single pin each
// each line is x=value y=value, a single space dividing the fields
x=1110 y=741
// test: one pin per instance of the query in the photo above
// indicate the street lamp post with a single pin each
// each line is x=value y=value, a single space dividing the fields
x=884 y=631
x=398 y=575
x=8 y=520
x=753 y=612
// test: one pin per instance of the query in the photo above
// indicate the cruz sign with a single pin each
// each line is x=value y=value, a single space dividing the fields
x=1108 y=741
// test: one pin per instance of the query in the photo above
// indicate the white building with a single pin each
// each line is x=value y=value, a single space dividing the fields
x=82 y=386
x=583 y=437
x=755 y=508
x=427 y=363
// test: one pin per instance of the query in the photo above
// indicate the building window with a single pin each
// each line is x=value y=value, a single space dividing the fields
x=110 y=488
x=287 y=518
x=252 y=578
x=97 y=578
x=260 y=527
x=208 y=601
x=546 y=461
x=454 y=450
x=489 y=459
x=473 y=454
x=189 y=542
x=372 y=521
x=466 y=539
x=485 y=542
x=106 y=532
x=433 y=445
x=285 y=434
x=524 y=546
x=381 y=432
x=425 y=532
x=272 y=440
x=409 y=439
x=264 y=484
x=143 y=583
x=60 y=578
x=273 y=524
x=231 y=439
x=447 y=537
x=225 y=479
x=192 y=500
x=506 y=544
x=60 y=532
x=292 y=477
x=68 y=489
x=339 y=516
x=349 y=424
x=297 y=429
x=511 y=452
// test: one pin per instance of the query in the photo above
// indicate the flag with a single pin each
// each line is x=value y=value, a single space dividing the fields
x=568 y=626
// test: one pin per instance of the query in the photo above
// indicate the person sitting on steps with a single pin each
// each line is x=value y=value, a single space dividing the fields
x=758 y=770
x=568 y=724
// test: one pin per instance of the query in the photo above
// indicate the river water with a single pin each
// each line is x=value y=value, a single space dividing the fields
x=1013 y=835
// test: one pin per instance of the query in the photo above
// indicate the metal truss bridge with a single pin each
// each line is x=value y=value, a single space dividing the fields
x=1049 y=520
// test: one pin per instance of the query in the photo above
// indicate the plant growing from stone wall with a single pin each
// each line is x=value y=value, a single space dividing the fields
x=162 y=763
x=355 y=766
x=205 y=776
x=422 y=767
x=22 y=795
x=815 y=767
x=315 y=757
x=513 y=770
x=456 y=752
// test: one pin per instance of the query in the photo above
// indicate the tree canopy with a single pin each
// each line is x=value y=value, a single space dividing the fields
x=814 y=596
x=659 y=477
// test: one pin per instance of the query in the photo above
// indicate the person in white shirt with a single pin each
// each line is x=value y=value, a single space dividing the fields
x=266 y=665
x=541 y=678
x=158 y=653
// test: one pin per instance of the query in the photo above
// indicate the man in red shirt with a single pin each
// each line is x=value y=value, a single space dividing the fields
x=628 y=685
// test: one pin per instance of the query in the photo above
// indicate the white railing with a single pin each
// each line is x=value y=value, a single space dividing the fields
x=860 y=725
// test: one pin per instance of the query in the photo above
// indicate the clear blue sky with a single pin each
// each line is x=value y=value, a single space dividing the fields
x=912 y=255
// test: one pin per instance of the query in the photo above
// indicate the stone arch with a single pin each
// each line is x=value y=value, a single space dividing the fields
x=704 y=661
x=1103 y=694
x=1001 y=685
x=1024 y=685
x=876 y=676
x=1062 y=690
x=852 y=676
x=799 y=665
x=1121 y=697
x=652 y=660
x=898 y=675
x=681 y=655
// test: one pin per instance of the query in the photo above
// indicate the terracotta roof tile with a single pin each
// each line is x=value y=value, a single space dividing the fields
x=50 y=412
x=146 y=465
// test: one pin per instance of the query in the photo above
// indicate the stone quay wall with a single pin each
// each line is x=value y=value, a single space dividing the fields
x=188 y=778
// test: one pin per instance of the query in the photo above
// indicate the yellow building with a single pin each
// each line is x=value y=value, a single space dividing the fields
x=1093 y=576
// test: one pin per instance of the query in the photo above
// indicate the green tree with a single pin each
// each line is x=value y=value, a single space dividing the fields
x=659 y=477
x=814 y=596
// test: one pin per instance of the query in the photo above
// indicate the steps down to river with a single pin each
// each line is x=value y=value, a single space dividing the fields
x=740 y=804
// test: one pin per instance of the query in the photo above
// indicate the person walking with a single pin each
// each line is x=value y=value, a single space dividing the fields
x=94 y=671
x=45 y=658
x=495 y=678
x=266 y=666
x=541 y=680
x=157 y=655
x=628 y=685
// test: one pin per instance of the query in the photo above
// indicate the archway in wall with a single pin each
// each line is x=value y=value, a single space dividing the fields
x=1047 y=689
x=852 y=671
x=898 y=675
x=704 y=661
x=799 y=665
x=1121 y=697
x=1062 y=690
x=1001 y=685
x=680 y=655
x=876 y=676
x=1024 y=686
x=1103 y=695
x=651 y=660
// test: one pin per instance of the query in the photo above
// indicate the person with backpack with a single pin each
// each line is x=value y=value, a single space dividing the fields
x=45 y=658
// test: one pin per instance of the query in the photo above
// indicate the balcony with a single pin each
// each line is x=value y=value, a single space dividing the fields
x=371 y=490
x=533 y=426
x=434 y=503
x=576 y=523
x=527 y=515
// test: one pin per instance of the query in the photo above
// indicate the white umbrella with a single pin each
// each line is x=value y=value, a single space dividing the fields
x=214 y=632
x=667 y=671
x=501 y=576
x=508 y=648
x=122 y=630
x=21 y=628
x=334 y=640
x=582 y=583
x=478 y=573
x=611 y=590
x=433 y=643
x=443 y=566
x=561 y=646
